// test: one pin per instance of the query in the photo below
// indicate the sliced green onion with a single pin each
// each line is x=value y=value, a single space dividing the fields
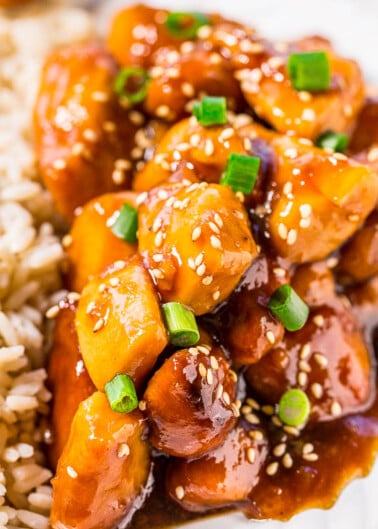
x=309 y=71
x=121 y=394
x=181 y=324
x=126 y=225
x=333 y=140
x=185 y=25
x=132 y=84
x=294 y=407
x=289 y=308
x=241 y=172
x=211 y=111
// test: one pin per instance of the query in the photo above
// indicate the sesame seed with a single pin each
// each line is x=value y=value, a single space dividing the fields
x=233 y=375
x=215 y=58
x=118 y=177
x=332 y=262
x=304 y=366
x=304 y=96
x=73 y=296
x=348 y=110
x=163 y=111
x=207 y=280
x=305 y=351
x=267 y=409
x=252 y=418
x=215 y=242
x=308 y=114
x=90 y=307
x=141 y=198
x=353 y=218
x=279 y=272
x=214 y=228
x=372 y=155
x=216 y=295
x=272 y=469
x=90 y=135
x=99 y=325
x=336 y=409
x=318 y=320
x=201 y=270
x=188 y=90
x=159 y=239
x=305 y=210
x=196 y=233
x=180 y=492
x=226 y=398
x=123 y=450
x=321 y=360
x=218 y=220
x=157 y=257
x=251 y=455
x=317 y=390
x=191 y=263
x=279 y=449
x=291 y=430
x=214 y=363
x=142 y=405
x=187 y=47
x=158 y=274
x=287 y=461
x=310 y=457
x=276 y=421
x=202 y=370
x=157 y=224
x=302 y=378
x=288 y=188
x=253 y=403
x=72 y=472
x=307 y=448
x=195 y=140
x=102 y=288
x=209 y=147
x=100 y=97
x=235 y=410
x=52 y=312
x=204 y=32
x=305 y=223
x=257 y=435
x=59 y=164
x=114 y=281
x=270 y=337
x=219 y=392
x=209 y=377
x=246 y=409
x=204 y=349
x=291 y=237
x=109 y=126
x=291 y=153
x=282 y=231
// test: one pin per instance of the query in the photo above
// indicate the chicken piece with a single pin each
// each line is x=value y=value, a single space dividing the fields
x=119 y=325
x=248 y=328
x=206 y=148
x=359 y=257
x=269 y=91
x=224 y=477
x=104 y=467
x=196 y=241
x=83 y=136
x=314 y=283
x=92 y=229
x=138 y=31
x=201 y=410
x=327 y=359
x=318 y=200
x=66 y=369
x=175 y=81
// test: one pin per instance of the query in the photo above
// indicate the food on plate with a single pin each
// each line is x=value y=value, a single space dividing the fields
x=215 y=193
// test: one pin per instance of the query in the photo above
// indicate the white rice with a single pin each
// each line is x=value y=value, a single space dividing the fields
x=30 y=257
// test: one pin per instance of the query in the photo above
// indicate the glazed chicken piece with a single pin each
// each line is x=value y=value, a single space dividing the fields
x=103 y=469
x=318 y=200
x=188 y=142
x=269 y=91
x=359 y=257
x=138 y=31
x=327 y=358
x=175 y=81
x=196 y=241
x=247 y=327
x=201 y=409
x=91 y=228
x=83 y=136
x=119 y=325
x=221 y=478
x=66 y=370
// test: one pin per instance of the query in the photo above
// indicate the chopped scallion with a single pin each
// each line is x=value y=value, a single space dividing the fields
x=333 y=140
x=289 y=308
x=181 y=324
x=211 y=111
x=132 y=84
x=126 y=225
x=294 y=407
x=185 y=25
x=241 y=172
x=121 y=394
x=309 y=71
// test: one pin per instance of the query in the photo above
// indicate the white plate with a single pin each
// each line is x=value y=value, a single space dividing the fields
x=352 y=26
